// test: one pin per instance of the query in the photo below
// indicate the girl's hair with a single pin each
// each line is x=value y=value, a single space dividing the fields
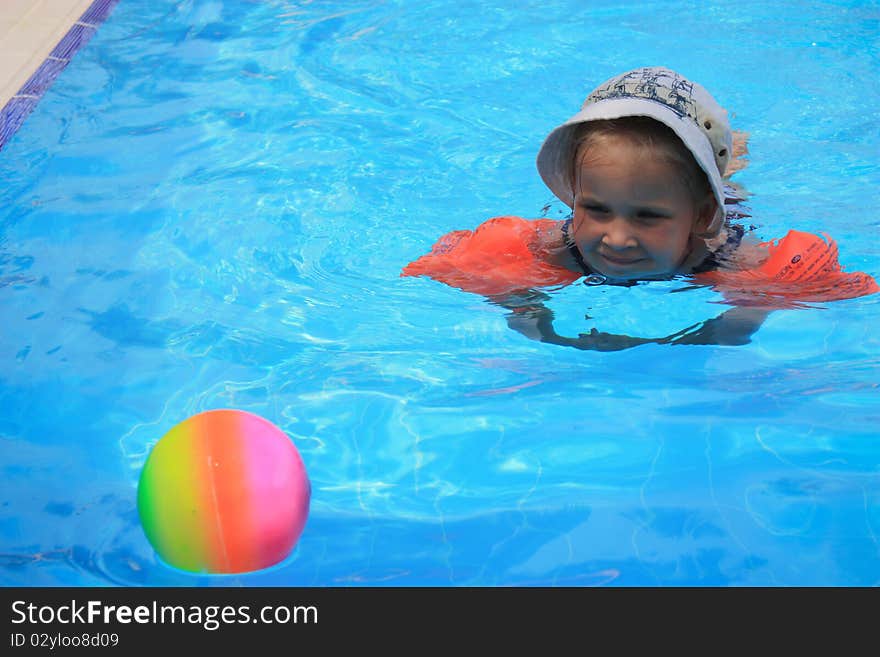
x=647 y=133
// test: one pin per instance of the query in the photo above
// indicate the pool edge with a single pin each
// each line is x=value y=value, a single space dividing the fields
x=22 y=103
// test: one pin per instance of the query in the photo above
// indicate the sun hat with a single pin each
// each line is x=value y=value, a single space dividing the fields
x=657 y=92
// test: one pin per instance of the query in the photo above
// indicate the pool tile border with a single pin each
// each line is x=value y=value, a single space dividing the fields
x=14 y=113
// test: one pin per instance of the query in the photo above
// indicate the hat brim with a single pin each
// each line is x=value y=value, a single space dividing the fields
x=554 y=158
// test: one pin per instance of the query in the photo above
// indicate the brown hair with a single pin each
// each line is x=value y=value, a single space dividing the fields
x=648 y=134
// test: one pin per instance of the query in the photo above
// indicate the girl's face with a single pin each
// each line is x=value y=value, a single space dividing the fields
x=633 y=215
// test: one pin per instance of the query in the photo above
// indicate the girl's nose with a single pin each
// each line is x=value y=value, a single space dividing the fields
x=619 y=235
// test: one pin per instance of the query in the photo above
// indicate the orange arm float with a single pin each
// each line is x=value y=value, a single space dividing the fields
x=801 y=267
x=494 y=259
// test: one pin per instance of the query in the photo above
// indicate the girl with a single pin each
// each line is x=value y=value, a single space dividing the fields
x=641 y=165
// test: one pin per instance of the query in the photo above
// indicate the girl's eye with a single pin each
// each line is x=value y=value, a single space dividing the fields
x=596 y=208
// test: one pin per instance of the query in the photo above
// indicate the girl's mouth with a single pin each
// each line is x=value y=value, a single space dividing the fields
x=620 y=262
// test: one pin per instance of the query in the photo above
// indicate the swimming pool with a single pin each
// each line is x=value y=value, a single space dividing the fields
x=211 y=206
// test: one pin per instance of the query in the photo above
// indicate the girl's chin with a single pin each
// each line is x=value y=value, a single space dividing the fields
x=623 y=270
x=630 y=273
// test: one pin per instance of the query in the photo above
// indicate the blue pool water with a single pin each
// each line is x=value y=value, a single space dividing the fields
x=210 y=209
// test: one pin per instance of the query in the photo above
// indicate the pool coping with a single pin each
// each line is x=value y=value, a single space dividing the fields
x=23 y=102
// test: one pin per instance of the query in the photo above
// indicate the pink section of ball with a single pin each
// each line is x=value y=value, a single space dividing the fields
x=279 y=488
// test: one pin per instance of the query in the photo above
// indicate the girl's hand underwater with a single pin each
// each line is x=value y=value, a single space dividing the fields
x=732 y=328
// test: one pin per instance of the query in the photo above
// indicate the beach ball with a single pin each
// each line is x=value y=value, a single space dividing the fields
x=224 y=491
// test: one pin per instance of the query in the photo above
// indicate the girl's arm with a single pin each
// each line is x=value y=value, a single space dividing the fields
x=735 y=326
x=732 y=327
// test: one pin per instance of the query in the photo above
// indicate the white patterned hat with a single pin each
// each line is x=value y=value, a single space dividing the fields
x=685 y=106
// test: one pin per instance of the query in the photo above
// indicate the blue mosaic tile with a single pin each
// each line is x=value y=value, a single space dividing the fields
x=98 y=12
x=75 y=39
x=43 y=77
x=17 y=109
x=13 y=115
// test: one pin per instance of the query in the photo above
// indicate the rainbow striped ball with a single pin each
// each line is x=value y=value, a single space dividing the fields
x=223 y=492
